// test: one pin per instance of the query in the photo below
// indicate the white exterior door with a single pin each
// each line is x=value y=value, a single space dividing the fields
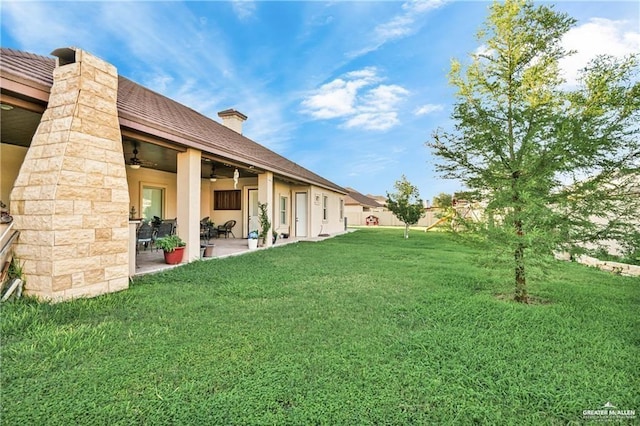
x=252 y=220
x=301 y=214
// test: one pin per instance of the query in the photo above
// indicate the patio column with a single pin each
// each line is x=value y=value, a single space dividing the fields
x=188 y=200
x=265 y=195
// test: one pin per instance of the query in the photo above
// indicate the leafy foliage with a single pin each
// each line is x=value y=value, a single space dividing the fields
x=265 y=224
x=169 y=243
x=406 y=204
x=556 y=166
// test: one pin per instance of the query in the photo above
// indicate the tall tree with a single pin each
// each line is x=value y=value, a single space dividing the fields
x=443 y=200
x=546 y=157
x=406 y=204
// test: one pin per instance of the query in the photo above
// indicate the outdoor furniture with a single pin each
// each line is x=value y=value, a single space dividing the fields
x=226 y=229
x=206 y=229
x=144 y=235
x=164 y=229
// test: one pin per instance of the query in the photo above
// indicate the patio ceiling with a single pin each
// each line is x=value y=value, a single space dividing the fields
x=18 y=125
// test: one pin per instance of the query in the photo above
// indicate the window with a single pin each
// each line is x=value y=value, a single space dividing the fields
x=325 y=205
x=341 y=209
x=284 y=202
x=227 y=200
x=152 y=202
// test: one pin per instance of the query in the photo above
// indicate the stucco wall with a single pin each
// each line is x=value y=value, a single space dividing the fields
x=11 y=158
x=334 y=223
x=136 y=179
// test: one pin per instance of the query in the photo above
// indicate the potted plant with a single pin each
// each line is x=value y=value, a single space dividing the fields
x=173 y=248
x=252 y=240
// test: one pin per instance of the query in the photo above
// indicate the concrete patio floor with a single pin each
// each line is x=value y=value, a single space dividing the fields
x=152 y=260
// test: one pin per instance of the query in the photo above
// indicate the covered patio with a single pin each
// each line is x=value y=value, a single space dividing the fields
x=151 y=260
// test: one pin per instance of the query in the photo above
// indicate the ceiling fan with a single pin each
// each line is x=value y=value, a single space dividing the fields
x=135 y=162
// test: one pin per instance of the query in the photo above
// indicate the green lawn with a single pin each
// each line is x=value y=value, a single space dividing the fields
x=365 y=328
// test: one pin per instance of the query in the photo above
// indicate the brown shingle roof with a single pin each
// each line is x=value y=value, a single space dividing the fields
x=139 y=105
x=356 y=198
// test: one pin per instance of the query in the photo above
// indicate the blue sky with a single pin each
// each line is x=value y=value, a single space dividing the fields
x=350 y=90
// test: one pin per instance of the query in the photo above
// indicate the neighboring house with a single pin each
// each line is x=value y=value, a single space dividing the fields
x=359 y=207
x=83 y=147
x=371 y=210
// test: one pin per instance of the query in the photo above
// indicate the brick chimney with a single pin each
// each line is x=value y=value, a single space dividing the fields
x=232 y=119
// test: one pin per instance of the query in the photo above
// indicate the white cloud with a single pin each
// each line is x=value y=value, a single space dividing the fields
x=597 y=37
x=32 y=26
x=359 y=99
x=399 y=26
x=428 y=109
x=244 y=9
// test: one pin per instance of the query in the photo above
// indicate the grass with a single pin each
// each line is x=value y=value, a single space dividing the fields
x=365 y=328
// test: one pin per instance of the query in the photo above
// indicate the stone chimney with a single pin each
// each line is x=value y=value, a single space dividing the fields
x=70 y=200
x=232 y=119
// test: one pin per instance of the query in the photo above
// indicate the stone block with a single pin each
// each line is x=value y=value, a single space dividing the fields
x=44 y=127
x=67 y=251
x=118 y=284
x=37 y=283
x=63 y=207
x=108 y=247
x=72 y=178
x=110 y=207
x=67 y=71
x=115 y=158
x=120 y=234
x=77 y=279
x=38 y=222
x=31 y=192
x=47 y=192
x=95 y=180
x=81 y=206
x=61 y=282
x=38 y=238
x=38 y=207
x=103 y=234
x=73 y=266
x=73 y=236
x=93 y=166
x=43 y=267
x=62 y=222
x=117 y=184
x=22 y=180
x=94 y=276
x=42 y=178
x=115 y=272
x=58 y=137
x=120 y=196
x=75 y=164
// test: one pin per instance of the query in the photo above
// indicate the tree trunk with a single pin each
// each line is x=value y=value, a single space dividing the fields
x=521 y=282
x=406 y=231
x=521 y=295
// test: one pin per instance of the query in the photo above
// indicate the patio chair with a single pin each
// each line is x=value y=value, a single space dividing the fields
x=144 y=235
x=226 y=229
x=164 y=229
x=206 y=229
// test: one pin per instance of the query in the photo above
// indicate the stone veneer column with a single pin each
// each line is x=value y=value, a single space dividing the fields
x=70 y=200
